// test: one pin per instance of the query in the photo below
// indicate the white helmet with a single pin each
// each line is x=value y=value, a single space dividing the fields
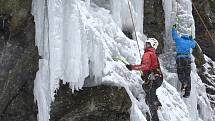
x=153 y=42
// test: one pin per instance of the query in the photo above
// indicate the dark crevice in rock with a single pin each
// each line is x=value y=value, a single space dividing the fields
x=154 y=25
x=206 y=10
x=128 y=33
x=9 y=103
x=21 y=108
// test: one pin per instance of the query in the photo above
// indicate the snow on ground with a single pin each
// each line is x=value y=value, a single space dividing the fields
x=78 y=41
x=172 y=102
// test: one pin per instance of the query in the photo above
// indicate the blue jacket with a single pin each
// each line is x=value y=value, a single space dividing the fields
x=183 y=43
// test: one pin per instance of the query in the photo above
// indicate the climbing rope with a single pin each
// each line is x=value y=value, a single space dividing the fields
x=129 y=6
x=203 y=23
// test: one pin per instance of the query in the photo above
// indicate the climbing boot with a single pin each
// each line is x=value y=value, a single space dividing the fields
x=157 y=105
x=187 y=94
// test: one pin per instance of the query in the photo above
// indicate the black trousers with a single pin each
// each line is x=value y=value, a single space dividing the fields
x=151 y=97
x=183 y=70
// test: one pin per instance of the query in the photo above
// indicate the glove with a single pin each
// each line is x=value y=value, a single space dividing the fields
x=174 y=26
x=129 y=67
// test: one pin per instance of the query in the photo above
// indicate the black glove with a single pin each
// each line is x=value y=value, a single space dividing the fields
x=174 y=26
x=129 y=67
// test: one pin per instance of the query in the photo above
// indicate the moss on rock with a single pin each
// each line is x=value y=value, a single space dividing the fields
x=17 y=9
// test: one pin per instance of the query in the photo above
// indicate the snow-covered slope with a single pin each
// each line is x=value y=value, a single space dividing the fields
x=78 y=40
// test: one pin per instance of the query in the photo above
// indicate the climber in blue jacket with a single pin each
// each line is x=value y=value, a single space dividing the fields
x=183 y=59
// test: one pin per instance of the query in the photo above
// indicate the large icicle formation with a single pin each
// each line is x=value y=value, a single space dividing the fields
x=77 y=40
x=179 y=12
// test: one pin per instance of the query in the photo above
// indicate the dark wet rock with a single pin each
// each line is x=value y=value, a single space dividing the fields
x=18 y=62
x=154 y=22
x=100 y=103
x=206 y=9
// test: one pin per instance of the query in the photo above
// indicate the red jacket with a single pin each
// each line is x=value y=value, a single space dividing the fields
x=149 y=61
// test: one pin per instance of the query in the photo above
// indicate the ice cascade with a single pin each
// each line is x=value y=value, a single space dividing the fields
x=77 y=40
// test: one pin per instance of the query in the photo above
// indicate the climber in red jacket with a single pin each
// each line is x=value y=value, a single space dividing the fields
x=149 y=61
x=152 y=75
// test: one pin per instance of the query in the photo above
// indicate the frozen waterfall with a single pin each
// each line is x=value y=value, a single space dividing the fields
x=77 y=40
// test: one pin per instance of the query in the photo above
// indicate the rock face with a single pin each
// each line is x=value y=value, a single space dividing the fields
x=101 y=103
x=206 y=9
x=154 y=25
x=18 y=62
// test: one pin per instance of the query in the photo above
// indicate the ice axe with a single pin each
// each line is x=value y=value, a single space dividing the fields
x=122 y=59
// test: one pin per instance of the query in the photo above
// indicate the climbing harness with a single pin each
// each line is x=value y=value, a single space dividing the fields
x=147 y=85
x=129 y=6
x=148 y=80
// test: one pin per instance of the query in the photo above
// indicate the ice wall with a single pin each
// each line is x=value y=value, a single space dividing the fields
x=75 y=41
x=69 y=51
x=78 y=40
x=121 y=14
x=170 y=15
x=180 y=12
